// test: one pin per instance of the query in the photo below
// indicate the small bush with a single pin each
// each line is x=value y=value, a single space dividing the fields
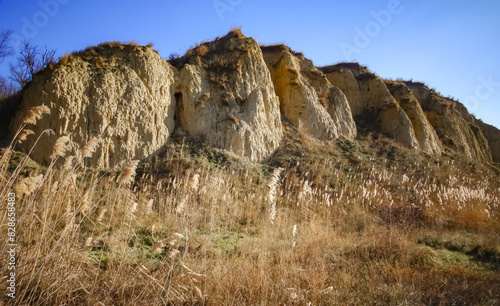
x=236 y=31
x=63 y=60
x=323 y=99
x=201 y=50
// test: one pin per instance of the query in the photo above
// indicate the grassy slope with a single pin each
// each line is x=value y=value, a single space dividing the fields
x=362 y=222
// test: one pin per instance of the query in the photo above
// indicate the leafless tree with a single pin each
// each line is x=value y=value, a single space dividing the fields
x=6 y=88
x=30 y=60
x=5 y=48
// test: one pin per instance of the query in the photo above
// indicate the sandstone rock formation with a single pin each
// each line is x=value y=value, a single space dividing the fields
x=425 y=134
x=234 y=94
x=492 y=135
x=118 y=93
x=307 y=99
x=372 y=104
x=225 y=94
x=452 y=129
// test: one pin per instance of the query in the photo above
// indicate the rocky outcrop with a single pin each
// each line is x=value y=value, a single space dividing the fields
x=373 y=106
x=424 y=132
x=347 y=82
x=120 y=94
x=492 y=135
x=236 y=95
x=455 y=132
x=225 y=94
x=307 y=99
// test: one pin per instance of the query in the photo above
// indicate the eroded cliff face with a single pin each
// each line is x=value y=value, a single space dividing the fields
x=120 y=94
x=225 y=95
x=425 y=134
x=307 y=99
x=236 y=95
x=410 y=113
x=454 y=131
x=492 y=135
x=372 y=104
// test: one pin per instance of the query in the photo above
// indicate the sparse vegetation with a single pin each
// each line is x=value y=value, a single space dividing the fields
x=236 y=31
x=345 y=222
x=201 y=50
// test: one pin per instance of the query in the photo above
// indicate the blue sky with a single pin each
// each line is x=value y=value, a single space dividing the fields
x=450 y=45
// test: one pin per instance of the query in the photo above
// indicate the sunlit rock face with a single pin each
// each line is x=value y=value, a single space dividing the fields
x=120 y=94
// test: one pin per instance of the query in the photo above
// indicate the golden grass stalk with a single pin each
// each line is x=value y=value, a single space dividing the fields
x=69 y=181
x=61 y=146
x=100 y=217
x=88 y=242
x=194 y=183
x=181 y=206
x=90 y=147
x=173 y=253
x=149 y=207
x=272 y=183
x=28 y=185
x=274 y=177
x=54 y=187
x=85 y=206
x=198 y=292
x=128 y=176
x=133 y=210
x=23 y=135
x=35 y=113
x=68 y=163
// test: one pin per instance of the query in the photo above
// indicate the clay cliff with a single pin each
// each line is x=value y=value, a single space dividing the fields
x=447 y=118
x=238 y=96
x=307 y=98
x=224 y=94
x=119 y=94
x=412 y=114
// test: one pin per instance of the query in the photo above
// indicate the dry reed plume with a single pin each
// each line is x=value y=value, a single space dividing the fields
x=28 y=185
x=90 y=147
x=35 y=113
x=62 y=145
x=128 y=175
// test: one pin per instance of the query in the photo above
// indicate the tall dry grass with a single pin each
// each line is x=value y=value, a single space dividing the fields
x=340 y=223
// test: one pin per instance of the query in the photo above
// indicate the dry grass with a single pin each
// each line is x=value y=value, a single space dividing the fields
x=201 y=50
x=63 y=60
x=363 y=222
x=236 y=31
x=323 y=99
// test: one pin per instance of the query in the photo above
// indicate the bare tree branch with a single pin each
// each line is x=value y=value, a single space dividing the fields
x=5 y=49
x=30 y=60
x=6 y=88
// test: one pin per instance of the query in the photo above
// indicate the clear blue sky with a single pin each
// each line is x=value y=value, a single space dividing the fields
x=453 y=46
